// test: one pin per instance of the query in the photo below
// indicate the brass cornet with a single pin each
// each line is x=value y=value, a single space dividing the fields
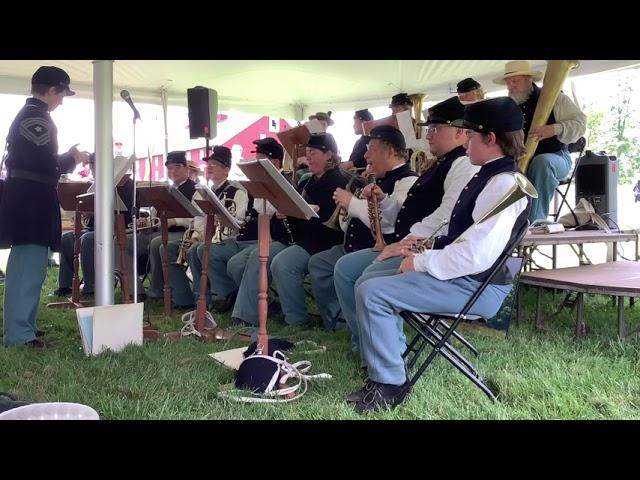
x=185 y=244
x=221 y=231
x=375 y=220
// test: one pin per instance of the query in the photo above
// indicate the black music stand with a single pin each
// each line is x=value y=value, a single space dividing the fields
x=268 y=184
x=169 y=202
x=67 y=197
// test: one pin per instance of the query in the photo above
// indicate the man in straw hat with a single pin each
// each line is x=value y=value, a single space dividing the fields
x=551 y=161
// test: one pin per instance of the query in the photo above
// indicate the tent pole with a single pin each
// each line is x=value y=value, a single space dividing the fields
x=104 y=200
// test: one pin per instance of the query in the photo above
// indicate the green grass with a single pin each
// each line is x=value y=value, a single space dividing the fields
x=537 y=375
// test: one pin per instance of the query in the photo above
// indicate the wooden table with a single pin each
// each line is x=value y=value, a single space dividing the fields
x=620 y=279
x=580 y=237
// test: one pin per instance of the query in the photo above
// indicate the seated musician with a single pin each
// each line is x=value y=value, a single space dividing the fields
x=302 y=168
x=357 y=159
x=445 y=276
x=194 y=171
x=428 y=203
x=235 y=199
x=289 y=267
x=244 y=267
x=386 y=155
x=400 y=103
x=87 y=245
x=149 y=241
x=469 y=91
x=551 y=161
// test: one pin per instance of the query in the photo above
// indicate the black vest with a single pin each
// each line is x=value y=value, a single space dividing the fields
x=358 y=235
x=425 y=196
x=249 y=230
x=357 y=154
x=188 y=188
x=548 y=145
x=278 y=227
x=311 y=234
x=461 y=216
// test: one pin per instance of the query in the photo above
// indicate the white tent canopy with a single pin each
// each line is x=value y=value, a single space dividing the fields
x=284 y=88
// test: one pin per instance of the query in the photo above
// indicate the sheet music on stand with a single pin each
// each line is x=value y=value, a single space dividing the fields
x=402 y=121
x=405 y=125
x=120 y=166
x=67 y=193
x=262 y=175
x=211 y=204
x=86 y=203
x=167 y=198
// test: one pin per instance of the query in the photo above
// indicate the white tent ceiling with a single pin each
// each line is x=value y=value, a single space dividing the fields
x=282 y=87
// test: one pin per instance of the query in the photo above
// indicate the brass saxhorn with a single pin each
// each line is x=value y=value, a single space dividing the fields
x=522 y=188
x=223 y=232
x=554 y=77
x=185 y=244
x=340 y=213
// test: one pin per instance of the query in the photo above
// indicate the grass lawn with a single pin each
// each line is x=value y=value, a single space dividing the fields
x=536 y=375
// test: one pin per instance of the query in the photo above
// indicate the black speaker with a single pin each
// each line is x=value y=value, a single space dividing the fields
x=203 y=112
x=597 y=182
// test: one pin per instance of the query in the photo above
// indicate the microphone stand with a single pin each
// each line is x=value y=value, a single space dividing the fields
x=134 y=213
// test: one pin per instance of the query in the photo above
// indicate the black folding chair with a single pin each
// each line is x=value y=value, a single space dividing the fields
x=577 y=147
x=435 y=329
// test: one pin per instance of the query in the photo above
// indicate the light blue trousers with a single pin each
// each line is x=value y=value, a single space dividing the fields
x=288 y=269
x=221 y=282
x=379 y=300
x=87 y=252
x=26 y=272
x=156 y=278
x=181 y=293
x=348 y=270
x=545 y=172
x=321 y=266
x=246 y=306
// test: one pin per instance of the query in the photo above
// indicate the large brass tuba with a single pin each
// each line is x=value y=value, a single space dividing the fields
x=555 y=75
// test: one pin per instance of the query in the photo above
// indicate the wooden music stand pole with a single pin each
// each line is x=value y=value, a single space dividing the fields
x=169 y=203
x=67 y=194
x=268 y=184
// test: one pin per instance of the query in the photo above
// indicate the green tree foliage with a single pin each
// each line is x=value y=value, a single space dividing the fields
x=616 y=129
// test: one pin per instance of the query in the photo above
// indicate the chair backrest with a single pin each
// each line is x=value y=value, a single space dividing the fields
x=497 y=266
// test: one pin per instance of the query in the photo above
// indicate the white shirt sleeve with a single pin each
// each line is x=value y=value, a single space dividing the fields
x=461 y=171
x=480 y=245
x=391 y=204
x=571 y=123
x=358 y=208
x=258 y=205
x=199 y=222
x=241 y=200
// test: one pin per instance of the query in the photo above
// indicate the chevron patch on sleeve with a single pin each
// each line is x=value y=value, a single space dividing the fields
x=36 y=130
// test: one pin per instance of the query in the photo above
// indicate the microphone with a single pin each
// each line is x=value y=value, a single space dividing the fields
x=127 y=98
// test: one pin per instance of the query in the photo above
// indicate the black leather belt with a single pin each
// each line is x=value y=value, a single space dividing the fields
x=34 y=177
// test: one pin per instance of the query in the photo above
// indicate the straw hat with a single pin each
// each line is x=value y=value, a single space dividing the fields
x=518 y=67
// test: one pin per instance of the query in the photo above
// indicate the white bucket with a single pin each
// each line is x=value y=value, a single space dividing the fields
x=51 y=411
